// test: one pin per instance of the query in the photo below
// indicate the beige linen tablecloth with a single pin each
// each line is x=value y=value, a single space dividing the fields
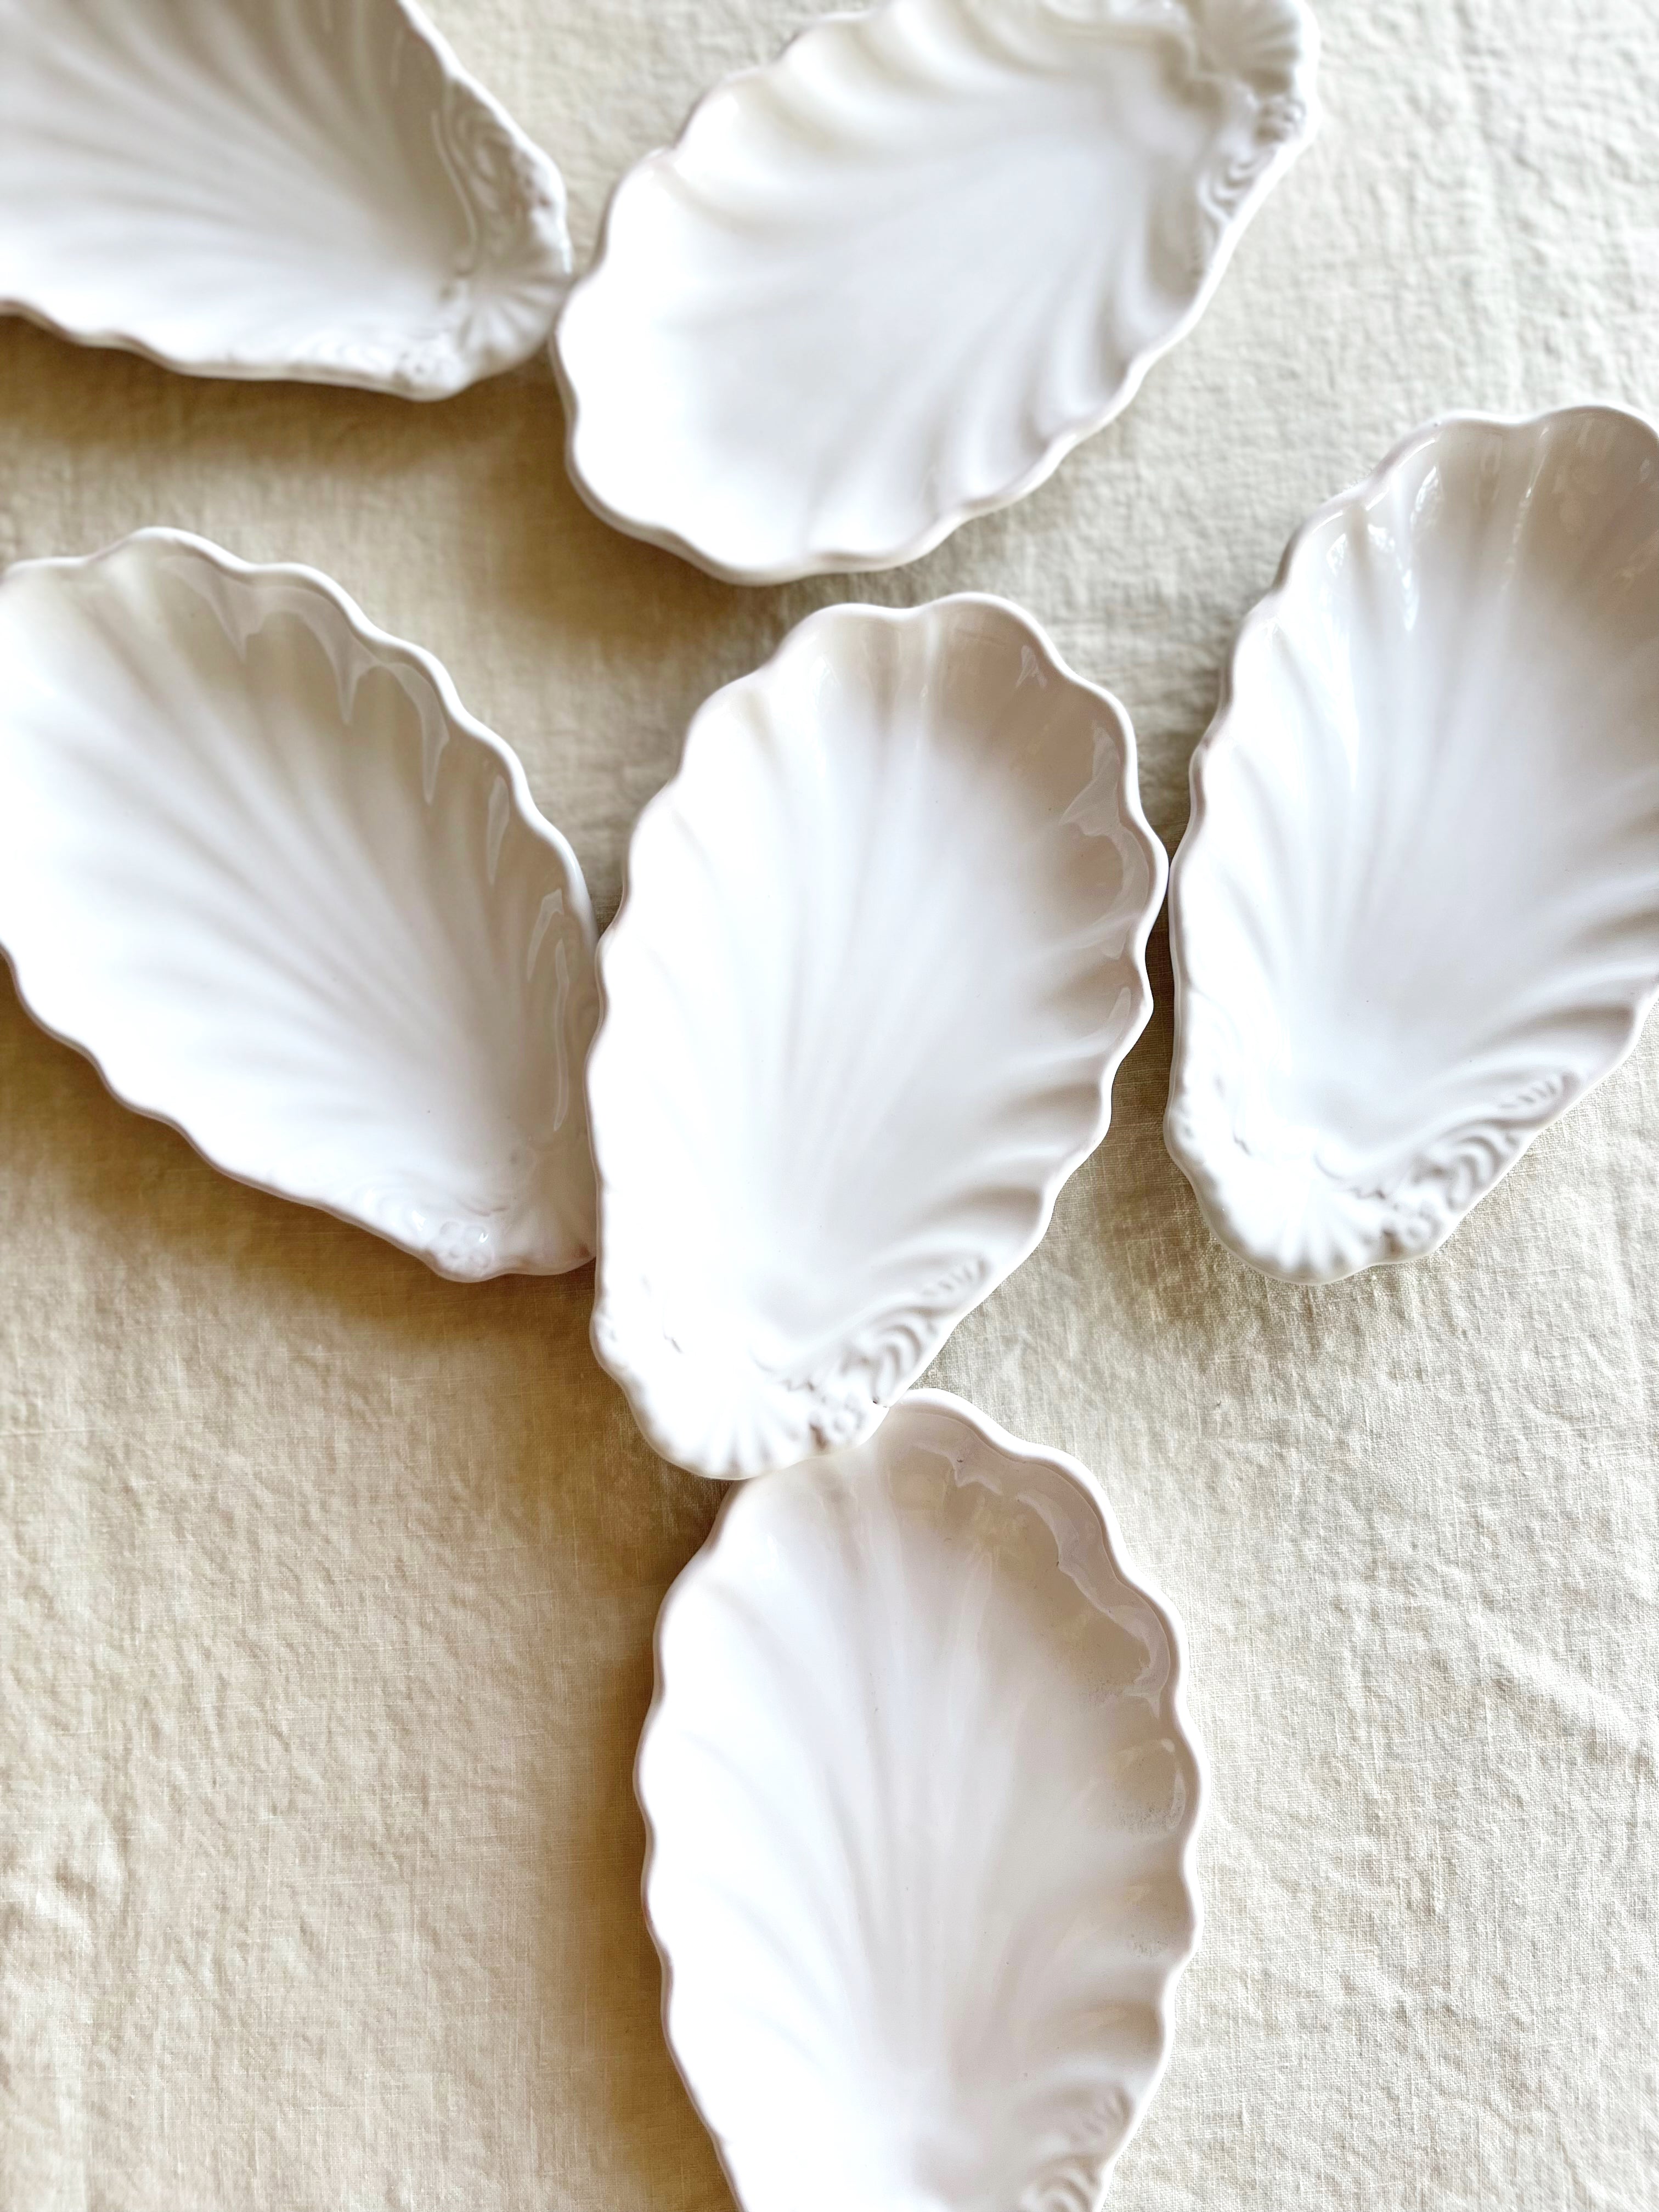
x=326 y=1588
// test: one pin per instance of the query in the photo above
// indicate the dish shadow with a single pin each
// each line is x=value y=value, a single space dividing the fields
x=641 y=2141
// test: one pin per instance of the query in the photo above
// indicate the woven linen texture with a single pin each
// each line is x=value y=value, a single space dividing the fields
x=326 y=1589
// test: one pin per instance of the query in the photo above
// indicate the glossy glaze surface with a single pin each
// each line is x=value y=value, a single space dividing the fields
x=881 y=950
x=271 y=188
x=920 y=1803
x=1416 y=916
x=888 y=281
x=260 y=864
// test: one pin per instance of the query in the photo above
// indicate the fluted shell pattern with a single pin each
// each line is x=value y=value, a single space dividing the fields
x=1416 y=915
x=882 y=950
x=888 y=281
x=259 y=863
x=271 y=188
x=920 y=1802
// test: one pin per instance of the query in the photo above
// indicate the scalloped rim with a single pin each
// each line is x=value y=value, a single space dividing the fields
x=388 y=648
x=989 y=1431
x=1132 y=815
x=1207 y=1186
x=546 y=220
x=836 y=562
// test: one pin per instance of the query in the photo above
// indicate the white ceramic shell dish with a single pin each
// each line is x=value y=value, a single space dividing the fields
x=888 y=281
x=271 y=188
x=1416 y=915
x=259 y=863
x=882 y=950
x=920 y=1804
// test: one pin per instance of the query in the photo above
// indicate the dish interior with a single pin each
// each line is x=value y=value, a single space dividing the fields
x=902 y=268
x=255 y=867
x=318 y=195
x=919 y=1809
x=881 y=947
x=1423 y=905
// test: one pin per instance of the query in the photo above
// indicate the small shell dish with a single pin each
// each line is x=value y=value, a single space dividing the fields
x=259 y=863
x=1416 y=915
x=881 y=950
x=920 y=1804
x=271 y=188
x=888 y=281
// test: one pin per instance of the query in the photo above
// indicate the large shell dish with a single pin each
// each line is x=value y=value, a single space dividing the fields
x=1416 y=916
x=888 y=281
x=260 y=864
x=271 y=188
x=881 y=950
x=921 y=1805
